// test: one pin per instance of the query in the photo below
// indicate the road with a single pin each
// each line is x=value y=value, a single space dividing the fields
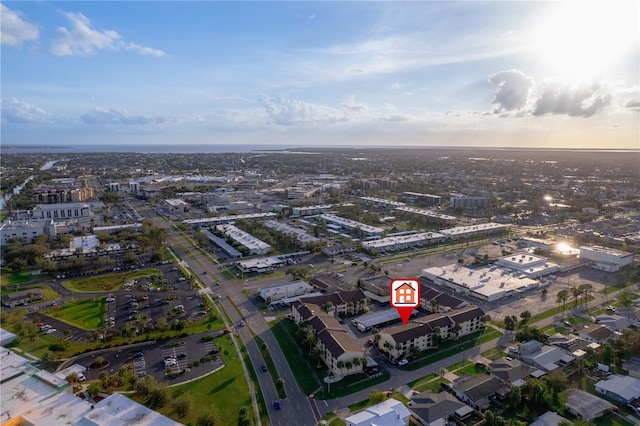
x=296 y=409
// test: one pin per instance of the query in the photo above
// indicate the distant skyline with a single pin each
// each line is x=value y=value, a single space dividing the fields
x=420 y=73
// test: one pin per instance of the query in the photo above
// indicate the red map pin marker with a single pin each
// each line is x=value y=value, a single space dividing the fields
x=405 y=296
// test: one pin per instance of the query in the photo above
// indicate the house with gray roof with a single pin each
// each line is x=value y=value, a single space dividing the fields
x=23 y=297
x=436 y=409
x=613 y=321
x=511 y=371
x=478 y=391
x=586 y=406
x=632 y=366
x=544 y=357
x=550 y=419
x=623 y=389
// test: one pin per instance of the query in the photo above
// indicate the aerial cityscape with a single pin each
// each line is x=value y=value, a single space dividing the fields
x=255 y=287
x=320 y=213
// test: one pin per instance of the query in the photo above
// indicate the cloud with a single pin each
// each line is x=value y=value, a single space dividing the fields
x=83 y=40
x=100 y=115
x=574 y=100
x=395 y=86
x=292 y=112
x=351 y=105
x=14 y=30
x=513 y=90
x=311 y=17
x=143 y=50
x=633 y=104
x=16 y=111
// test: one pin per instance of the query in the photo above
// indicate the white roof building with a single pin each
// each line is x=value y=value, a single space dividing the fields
x=388 y=413
x=255 y=245
x=402 y=242
x=282 y=291
x=467 y=231
x=530 y=265
x=488 y=283
x=39 y=398
x=352 y=224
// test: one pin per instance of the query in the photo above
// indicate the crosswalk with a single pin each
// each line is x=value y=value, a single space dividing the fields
x=139 y=367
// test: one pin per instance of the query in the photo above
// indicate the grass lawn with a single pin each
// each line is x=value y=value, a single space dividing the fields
x=452 y=347
x=284 y=331
x=433 y=385
x=107 y=282
x=87 y=314
x=8 y=278
x=351 y=384
x=222 y=392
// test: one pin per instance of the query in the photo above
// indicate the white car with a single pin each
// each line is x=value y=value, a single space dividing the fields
x=81 y=377
x=170 y=362
x=110 y=299
x=51 y=331
x=402 y=362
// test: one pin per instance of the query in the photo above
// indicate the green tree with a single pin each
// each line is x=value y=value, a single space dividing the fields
x=376 y=396
x=182 y=404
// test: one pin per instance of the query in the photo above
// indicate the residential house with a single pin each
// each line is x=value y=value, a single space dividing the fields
x=436 y=409
x=544 y=357
x=586 y=406
x=623 y=389
x=631 y=313
x=596 y=333
x=23 y=297
x=511 y=371
x=550 y=419
x=478 y=391
x=389 y=413
x=614 y=322
x=632 y=366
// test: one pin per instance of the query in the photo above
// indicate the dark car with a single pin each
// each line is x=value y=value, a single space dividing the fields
x=277 y=405
x=264 y=367
x=137 y=355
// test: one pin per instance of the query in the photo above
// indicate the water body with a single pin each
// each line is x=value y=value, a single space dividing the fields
x=252 y=148
x=5 y=199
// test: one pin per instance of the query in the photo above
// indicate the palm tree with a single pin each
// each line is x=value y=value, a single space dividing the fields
x=340 y=365
x=562 y=297
x=357 y=361
x=457 y=328
x=575 y=293
x=585 y=289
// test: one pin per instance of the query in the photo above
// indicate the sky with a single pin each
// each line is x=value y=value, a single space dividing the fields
x=318 y=73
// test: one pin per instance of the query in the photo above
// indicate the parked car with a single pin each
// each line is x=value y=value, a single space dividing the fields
x=110 y=299
x=402 y=362
x=81 y=377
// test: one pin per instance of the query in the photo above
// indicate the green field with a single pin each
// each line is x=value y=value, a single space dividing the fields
x=8 y=278
x=87 y=314
x=108 y=282
x=222 y=392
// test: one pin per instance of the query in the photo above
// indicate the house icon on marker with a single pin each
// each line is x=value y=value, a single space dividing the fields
x=405 y=294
